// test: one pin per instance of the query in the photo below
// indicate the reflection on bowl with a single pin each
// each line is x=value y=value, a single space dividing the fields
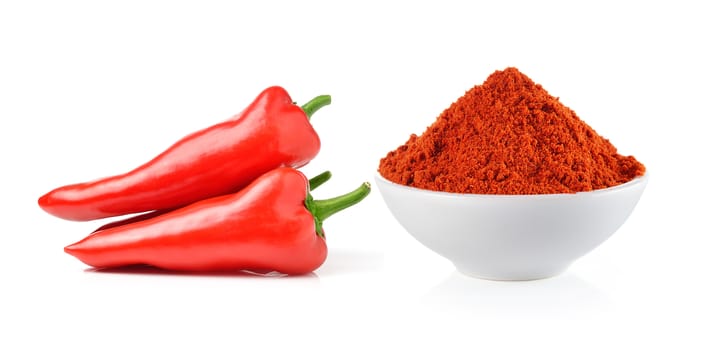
x=511 y=237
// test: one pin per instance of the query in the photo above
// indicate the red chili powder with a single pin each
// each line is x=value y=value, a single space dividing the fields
x=509 y=136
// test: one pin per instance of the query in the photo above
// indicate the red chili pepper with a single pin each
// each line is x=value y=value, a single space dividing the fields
x=271 y=225
x=271 y=132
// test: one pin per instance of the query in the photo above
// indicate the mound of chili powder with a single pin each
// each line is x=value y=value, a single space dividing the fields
x=509 y=136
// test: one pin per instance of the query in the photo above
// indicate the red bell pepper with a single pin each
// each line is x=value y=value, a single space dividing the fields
x=271 y=132
x=271 y=225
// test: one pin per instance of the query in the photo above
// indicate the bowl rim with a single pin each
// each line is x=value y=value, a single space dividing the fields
x=635 y=182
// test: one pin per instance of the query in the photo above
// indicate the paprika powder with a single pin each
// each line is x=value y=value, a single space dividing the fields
x=509 y=136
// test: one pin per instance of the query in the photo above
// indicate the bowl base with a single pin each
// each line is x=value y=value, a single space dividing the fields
x=529 y=275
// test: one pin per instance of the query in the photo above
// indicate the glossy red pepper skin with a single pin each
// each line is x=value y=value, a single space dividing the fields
x=266 y=226
x=271 y=132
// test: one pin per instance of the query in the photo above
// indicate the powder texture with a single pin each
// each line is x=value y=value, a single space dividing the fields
x=509 y=136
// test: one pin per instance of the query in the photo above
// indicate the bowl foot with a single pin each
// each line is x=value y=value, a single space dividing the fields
x=512 y=275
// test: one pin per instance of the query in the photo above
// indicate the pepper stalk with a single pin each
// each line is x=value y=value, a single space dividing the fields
x=315 y=104
x=322 y=209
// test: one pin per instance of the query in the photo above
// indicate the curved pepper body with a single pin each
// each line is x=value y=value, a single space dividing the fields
x=265 y=226
x=271 y=132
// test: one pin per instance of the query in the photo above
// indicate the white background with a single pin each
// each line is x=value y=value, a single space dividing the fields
x=89 y=89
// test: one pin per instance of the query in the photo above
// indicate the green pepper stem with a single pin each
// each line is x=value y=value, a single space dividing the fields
x=315 y=104
x=319 y=180
x=324 y=208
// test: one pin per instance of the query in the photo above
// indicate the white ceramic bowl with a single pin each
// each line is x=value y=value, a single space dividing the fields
x=511 y=237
